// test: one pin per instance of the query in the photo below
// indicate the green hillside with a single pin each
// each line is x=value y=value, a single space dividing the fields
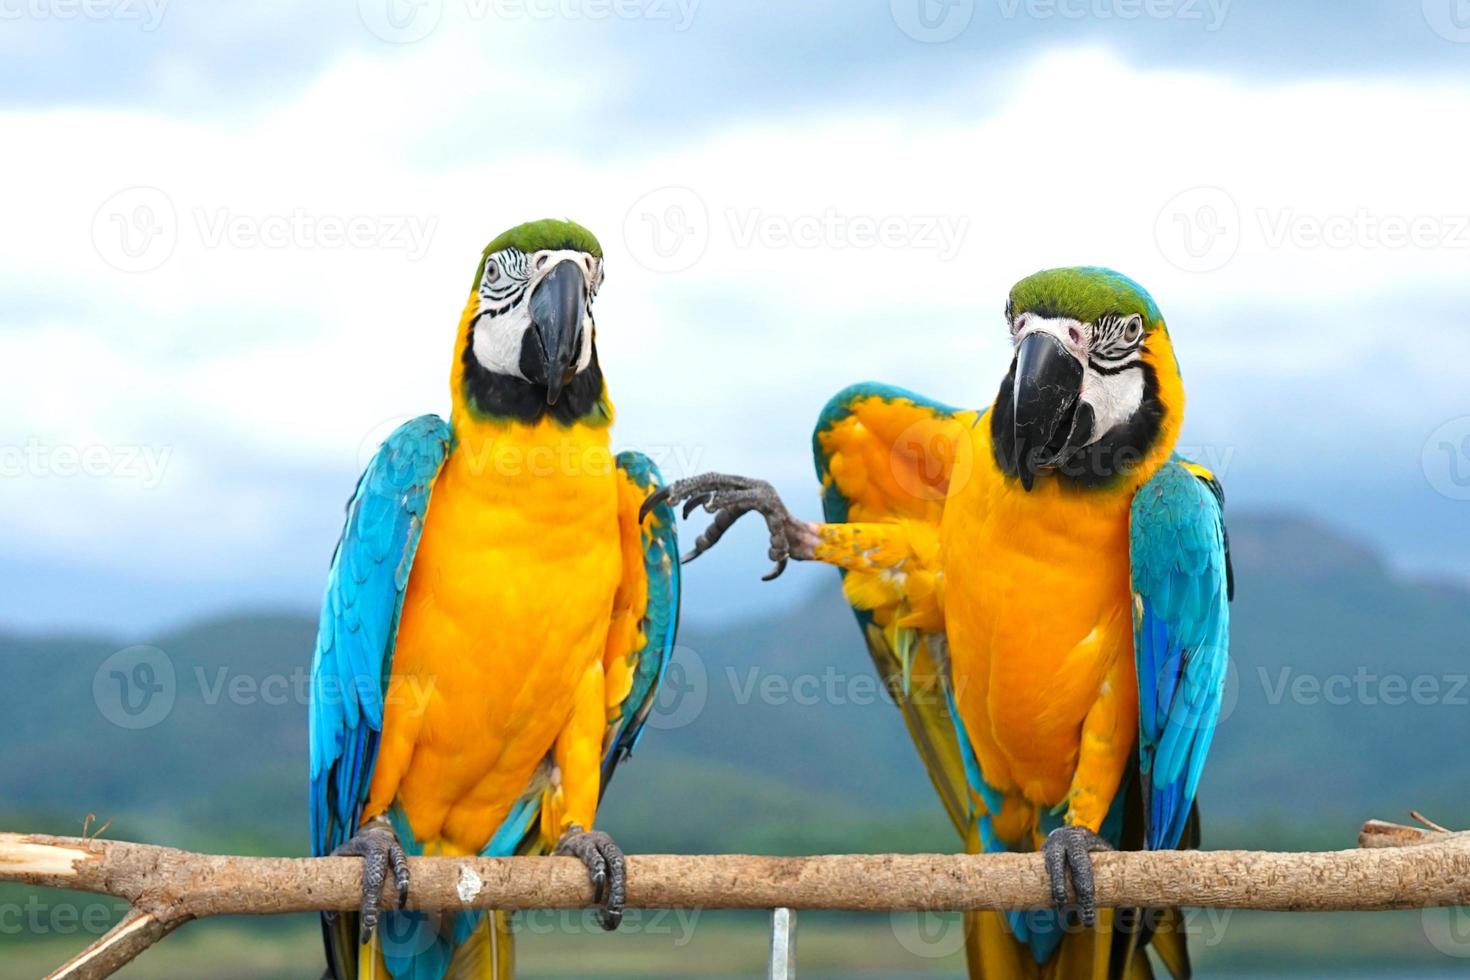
x=773 y=737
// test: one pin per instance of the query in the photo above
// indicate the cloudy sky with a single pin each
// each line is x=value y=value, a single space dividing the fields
x=236 y=239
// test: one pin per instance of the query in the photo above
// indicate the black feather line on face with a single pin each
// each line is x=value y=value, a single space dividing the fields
x=505 y=396
x=1093 y=467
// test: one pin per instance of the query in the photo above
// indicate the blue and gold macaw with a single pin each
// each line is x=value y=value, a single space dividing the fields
x=1044 y=585
x=496 y=621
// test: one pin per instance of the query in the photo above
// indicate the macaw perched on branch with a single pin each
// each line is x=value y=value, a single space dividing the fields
x=496 y=622
x=1044 y=585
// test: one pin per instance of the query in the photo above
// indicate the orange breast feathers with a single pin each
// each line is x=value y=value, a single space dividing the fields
x=1040 y=631
x=504 y=630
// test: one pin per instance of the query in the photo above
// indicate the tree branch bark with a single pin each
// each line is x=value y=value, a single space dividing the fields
x=1396 y=867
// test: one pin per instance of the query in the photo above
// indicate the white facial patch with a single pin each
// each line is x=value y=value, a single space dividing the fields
x=1112 y=381
x=1113 y=397
x=509 y=279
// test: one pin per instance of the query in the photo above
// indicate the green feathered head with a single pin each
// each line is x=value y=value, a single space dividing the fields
x=546 y=235
x=1084 y=293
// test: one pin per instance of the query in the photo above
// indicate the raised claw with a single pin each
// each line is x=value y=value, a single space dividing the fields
x=729 y=498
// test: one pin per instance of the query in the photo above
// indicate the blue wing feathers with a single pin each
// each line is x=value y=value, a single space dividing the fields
x=359 y=620
x=661 y=619
x=1181 y=623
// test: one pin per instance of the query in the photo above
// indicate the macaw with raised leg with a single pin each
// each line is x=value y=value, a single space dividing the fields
x=497 y=618
x=1044 y=585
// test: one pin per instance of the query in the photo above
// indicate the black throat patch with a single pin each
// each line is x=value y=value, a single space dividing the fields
x=494 y=395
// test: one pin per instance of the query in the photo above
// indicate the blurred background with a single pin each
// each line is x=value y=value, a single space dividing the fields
x=237 y=238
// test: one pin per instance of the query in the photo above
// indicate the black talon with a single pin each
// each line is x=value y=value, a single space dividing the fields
x=658 y=496
x=1067 y=852
x=380 y=851
x=730 y=498
x=605 y=868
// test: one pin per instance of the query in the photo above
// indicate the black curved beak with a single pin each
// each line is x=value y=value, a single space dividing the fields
x=1047 y=385
x=557 y=312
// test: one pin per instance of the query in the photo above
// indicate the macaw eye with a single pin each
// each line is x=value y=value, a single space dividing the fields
x=1133 y=331
x=492 y=272
x=541 y=260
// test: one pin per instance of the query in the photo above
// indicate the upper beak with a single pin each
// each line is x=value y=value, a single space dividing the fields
x=557 y=312
x=1047 y=386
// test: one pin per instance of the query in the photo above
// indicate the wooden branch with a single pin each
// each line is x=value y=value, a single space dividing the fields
x=135 y=933
x=1397 y=867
